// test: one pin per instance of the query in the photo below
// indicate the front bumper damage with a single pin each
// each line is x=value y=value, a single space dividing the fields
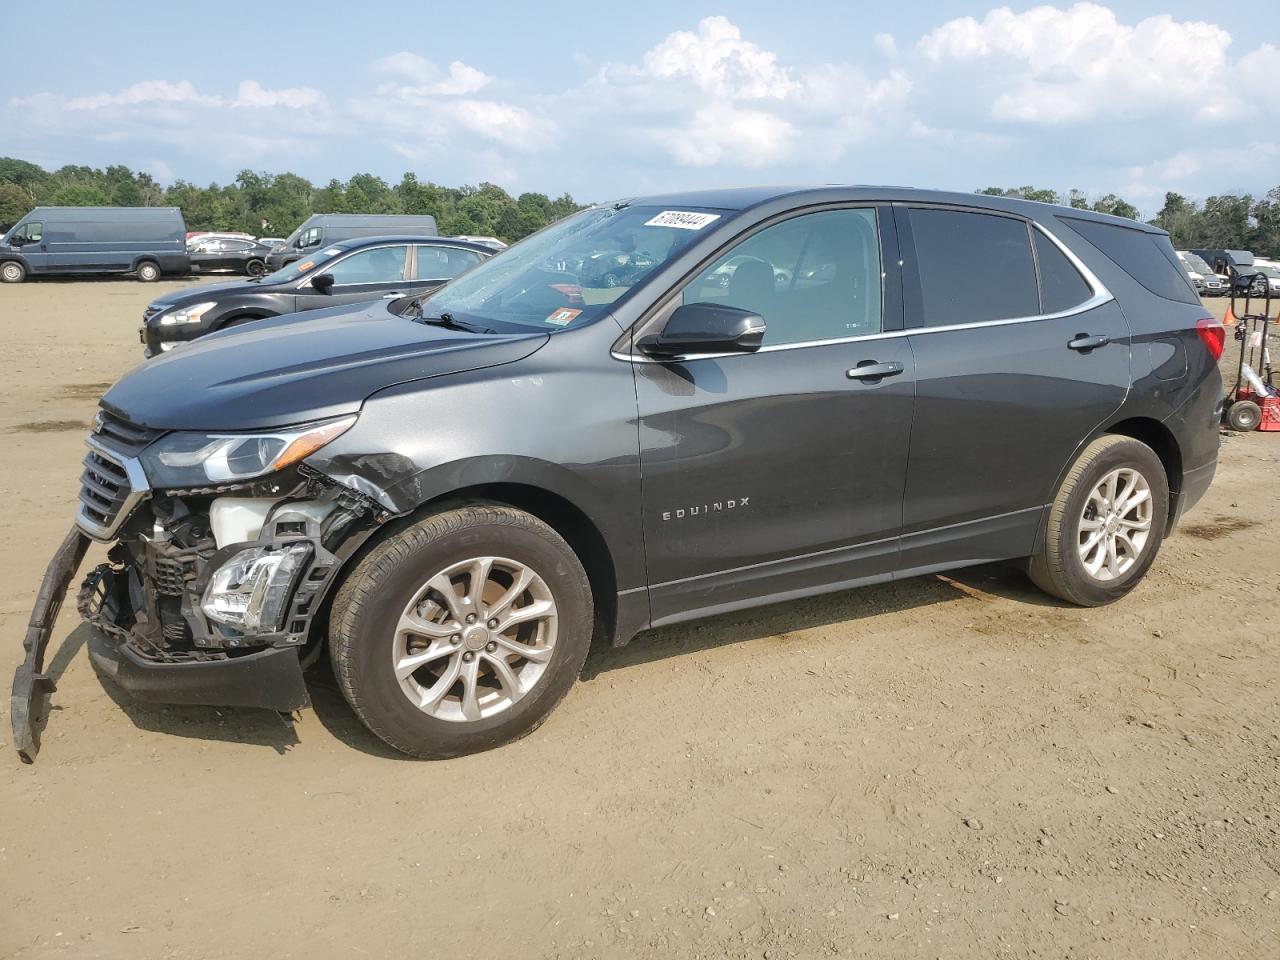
x=151 y=634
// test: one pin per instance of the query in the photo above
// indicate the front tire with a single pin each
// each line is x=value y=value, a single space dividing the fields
x=148 y=272
x=11 y=271
x=461 y=632
x=1105 y=525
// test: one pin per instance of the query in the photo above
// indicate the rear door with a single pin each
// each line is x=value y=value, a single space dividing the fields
x=437 y=264
x=1020 y=354
x=780 y=472
x=368 y=274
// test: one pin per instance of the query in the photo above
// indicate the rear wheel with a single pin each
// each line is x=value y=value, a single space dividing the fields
x=1106 y=524
x=461 y=632
x=1244 y=415
x=255 y=268
x=11 y=271
x=148 y=272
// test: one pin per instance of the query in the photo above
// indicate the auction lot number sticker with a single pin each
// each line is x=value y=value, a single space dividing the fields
x=682 y=220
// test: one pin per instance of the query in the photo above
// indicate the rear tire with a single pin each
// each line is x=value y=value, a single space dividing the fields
x=436 y=675
x=11 y=271
x=1244 y=415
x=148 y=271
x=1100 y=540
x=255 y=268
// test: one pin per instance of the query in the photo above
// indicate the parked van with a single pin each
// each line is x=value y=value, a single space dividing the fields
x=144 y=241
x=325 y=228
x=1202 y=277
x=1226 y=262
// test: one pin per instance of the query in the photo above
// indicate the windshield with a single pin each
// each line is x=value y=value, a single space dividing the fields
x=571 y=272
x=1196 y=264
x=296 y=269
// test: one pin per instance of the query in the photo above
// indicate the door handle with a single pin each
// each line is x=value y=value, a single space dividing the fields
x=1083 y=342
x=871 y=370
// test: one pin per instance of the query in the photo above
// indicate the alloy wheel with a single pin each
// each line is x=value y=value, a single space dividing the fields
x=475 y=639
x=1115 y=524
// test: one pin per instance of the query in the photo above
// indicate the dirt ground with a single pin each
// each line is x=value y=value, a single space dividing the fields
x=947 y=767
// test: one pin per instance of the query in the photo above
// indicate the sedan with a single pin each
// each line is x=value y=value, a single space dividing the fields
x=352 y=271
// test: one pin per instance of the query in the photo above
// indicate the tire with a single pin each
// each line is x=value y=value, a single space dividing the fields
x=1078 y=517
x=148 y=271
x=255 y=268
x=392 y=586
x=11 y=271
x=1244 y=415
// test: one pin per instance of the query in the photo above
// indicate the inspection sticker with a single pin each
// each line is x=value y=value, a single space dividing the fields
x=563 y=317
x=682 y=220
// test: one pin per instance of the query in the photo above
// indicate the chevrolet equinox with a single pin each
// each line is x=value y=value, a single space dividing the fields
x=654 y=410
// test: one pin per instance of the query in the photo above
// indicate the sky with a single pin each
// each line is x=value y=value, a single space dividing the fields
x=613 y=100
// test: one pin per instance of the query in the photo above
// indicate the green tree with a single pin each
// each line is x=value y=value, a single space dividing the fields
x=14 y=204
x=1115 y=206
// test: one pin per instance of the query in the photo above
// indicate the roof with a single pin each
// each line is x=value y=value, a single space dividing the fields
x=744 y=198
x=352 y=243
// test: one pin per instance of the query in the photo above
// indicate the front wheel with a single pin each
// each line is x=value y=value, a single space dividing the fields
x=148 y=272
x=461 y=632
x=12 y=272
x=1106 y=524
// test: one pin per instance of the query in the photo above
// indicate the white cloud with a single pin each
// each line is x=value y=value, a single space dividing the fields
x=253 y=94
x=148 y=91
x=887 y=45
x=416 y=76
x=1056 y=66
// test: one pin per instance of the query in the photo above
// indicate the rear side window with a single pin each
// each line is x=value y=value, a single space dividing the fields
x=974 y=267
x=444 y=263
x=1141 y=255
x=1061 y=286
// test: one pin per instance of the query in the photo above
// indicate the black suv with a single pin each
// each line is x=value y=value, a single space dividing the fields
x=787 y=392
x=347 y=272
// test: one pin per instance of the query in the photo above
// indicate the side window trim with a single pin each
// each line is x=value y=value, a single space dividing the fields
x=892 y=318
x=913 y=302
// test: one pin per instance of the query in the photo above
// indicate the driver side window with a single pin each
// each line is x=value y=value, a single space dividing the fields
x=813 y=277
x=309 y=239
x=32 y=231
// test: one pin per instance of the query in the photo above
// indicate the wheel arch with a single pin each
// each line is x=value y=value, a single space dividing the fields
x=565 y=518
x=139 y=260
x=1160 y=439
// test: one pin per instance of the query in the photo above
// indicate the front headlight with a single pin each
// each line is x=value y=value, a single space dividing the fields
x=199 y=459
x=190 y=314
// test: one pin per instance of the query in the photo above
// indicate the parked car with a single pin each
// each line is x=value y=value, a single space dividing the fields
x=1201 y=275
x=194 y=235
x=147 y=242
x=324 y=229
x=457 y=493
x=214 y=254
x=1261 y=278
x=342 y=273
x=1228 y=264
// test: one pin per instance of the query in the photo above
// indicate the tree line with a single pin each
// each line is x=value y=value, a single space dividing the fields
x=274 y=204
x=265 y=204
x=1226 y=222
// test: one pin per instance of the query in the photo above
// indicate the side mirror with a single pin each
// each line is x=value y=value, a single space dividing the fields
x=697 y=329
x=322 y=283
x=17 y=241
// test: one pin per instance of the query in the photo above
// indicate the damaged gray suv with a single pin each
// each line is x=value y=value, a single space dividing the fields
x=652 y=411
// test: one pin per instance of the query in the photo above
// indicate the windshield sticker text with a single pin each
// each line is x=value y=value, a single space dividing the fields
x=682 y=220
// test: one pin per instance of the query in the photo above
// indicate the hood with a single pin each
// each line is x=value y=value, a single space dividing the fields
x=200 y=293
x=298 y=367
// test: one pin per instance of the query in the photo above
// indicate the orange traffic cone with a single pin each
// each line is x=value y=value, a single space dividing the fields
x=1229 y=320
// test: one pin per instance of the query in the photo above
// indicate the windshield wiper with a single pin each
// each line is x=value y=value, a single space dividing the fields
x=446 y=320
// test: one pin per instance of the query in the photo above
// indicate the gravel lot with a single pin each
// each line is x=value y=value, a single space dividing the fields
x=946 y=767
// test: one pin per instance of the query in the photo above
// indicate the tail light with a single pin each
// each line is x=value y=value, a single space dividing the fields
x=1214 y=336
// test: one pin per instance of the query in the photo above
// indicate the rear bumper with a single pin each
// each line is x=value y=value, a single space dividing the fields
x=270 y=678
x=1195 y=483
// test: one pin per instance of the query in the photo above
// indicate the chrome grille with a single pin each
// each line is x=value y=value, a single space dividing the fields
x=112 y=481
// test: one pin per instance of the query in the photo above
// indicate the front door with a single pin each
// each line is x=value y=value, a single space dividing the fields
x=364 y=275
x=780 y=472
x=33 y=245
x=1019 y=358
